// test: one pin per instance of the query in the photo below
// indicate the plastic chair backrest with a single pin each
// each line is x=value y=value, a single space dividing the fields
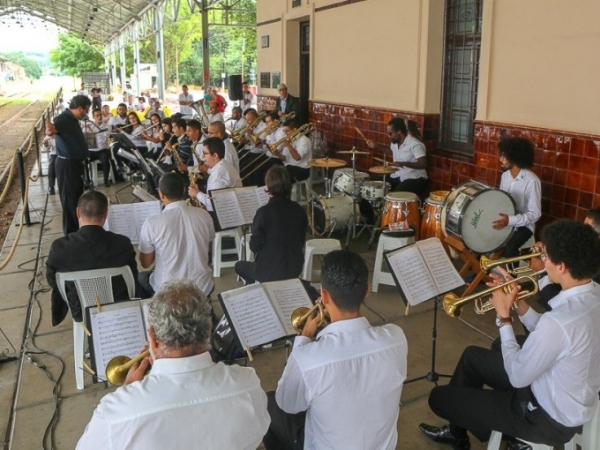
x=91 y=284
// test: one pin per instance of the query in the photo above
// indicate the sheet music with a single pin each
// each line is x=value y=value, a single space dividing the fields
x=143 y=194
x=287 y=295
x=127 y=219
x=116 y=332
x=143 y=211
x=252 y=315
x=413 y=275
x=263 y=197
x=441 y=268
x=227 y=208
x=248 y=202
x=120 y=220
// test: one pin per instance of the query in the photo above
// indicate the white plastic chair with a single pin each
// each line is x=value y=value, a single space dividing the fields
x=218 y=252
x=89 y=285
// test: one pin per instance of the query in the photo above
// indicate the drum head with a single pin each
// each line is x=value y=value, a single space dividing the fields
x=470 y=211
x=402 y=197
x=319 y=216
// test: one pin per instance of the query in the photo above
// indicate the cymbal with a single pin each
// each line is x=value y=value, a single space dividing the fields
x=327 y=162
x=353 y=152
x=383 y=170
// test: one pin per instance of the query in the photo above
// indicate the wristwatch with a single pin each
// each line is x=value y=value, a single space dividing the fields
x=501 y=321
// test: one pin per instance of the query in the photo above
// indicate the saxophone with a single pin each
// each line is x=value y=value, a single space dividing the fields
x=192 y=201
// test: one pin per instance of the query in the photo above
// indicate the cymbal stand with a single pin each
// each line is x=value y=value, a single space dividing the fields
x=380 y=215
x=351 y=224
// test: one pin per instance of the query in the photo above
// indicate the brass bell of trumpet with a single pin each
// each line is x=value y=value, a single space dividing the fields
x=301 y=315
x=452 y=304
x=118 y=367
x=488 y=264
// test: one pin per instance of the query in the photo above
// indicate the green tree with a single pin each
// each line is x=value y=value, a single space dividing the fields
x=73 y=56
x=32 y=68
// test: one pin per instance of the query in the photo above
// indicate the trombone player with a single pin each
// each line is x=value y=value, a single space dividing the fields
x=544 y=390
x=296 y=153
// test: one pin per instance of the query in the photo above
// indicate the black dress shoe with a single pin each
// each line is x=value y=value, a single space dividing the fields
x=107 y=183
x=514 y=444
x=51 y=191
x=443 y=434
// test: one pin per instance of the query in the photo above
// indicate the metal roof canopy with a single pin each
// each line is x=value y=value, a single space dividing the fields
x=115 y=23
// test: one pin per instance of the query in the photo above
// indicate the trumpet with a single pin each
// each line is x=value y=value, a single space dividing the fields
x=117 y=367
x=301 y=315
x=452 y=304
x=488 y=264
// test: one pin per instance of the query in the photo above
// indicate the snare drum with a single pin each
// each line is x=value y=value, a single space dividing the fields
x=374 y=190
x=401 y=206
x=431 y=223
x=343 y=181
x=469 y=212
x=330 y=214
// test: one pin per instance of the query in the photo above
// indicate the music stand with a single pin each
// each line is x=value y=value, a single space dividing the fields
x=430 y=254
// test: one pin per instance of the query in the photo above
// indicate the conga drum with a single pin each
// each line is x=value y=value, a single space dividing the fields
x=431 y=223
x=400 y=206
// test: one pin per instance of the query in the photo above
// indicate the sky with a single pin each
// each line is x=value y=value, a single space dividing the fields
x=13 y=38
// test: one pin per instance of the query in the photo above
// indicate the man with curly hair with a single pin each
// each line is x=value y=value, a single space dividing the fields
x=544 y=390
x=516 y=158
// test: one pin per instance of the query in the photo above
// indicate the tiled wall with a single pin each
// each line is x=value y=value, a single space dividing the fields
x=567 y=163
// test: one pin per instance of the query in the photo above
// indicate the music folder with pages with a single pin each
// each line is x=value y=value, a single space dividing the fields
x=235 y=207
x=423 y=271
x=117 y=329
x=127 y=218
x=261 y=313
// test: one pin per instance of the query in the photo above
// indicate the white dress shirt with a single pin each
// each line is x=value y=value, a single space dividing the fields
x=221 y=176
x=526 y=190
x=218 y=117
x=180 y=237
x=101 y=135
x=256 y=130
x=236 y=124
x=183 y=403
x=561 y=357
x=117 y=121
x=349 y=383
x=231 y=155
x=303 y=146
x=248 y=101
x=185 y=109
x=410 y=150
x=273 y=138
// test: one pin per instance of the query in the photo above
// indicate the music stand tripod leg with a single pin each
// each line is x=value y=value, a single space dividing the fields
x=432 y=376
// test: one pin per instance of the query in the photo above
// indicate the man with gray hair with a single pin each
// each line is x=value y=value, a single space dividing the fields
x=186 y=400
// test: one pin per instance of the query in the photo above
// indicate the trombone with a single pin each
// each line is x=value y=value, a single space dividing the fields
x=117 y=367
x=301 y=315
x=288 y=116
x=452 y=304
x=238 y=134
x=488 y=264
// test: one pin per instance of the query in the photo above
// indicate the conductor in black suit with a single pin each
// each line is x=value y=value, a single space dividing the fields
x=278 y=234
x=286 y=103
x=91 y=247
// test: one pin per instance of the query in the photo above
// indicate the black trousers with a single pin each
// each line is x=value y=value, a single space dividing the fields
x=51 y=171
x=144 y=281
x=467 y=406
x=419 y=186
x=246 y=270
x=286 y=431
x=69 y=174
x=297 y=173
x=516 y=241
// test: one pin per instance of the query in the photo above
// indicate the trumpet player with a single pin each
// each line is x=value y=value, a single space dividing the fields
x=352 y=372
x=544 y=390
x=186 y=398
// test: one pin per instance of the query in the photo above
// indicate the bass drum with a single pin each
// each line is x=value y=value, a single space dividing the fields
x=469 y=212
x=400 y=206
x=330 y=214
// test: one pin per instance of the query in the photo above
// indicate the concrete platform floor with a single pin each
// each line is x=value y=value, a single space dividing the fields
x=41 y=407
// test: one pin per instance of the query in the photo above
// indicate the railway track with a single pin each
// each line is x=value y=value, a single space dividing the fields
x=12 y=98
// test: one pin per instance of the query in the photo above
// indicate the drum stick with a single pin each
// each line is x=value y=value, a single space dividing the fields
x=361 y=134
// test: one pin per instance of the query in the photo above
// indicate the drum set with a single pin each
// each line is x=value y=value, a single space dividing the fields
x=351 y=199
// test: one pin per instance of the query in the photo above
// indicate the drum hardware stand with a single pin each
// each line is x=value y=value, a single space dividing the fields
x=432 y=375
x=380 y=215
x=351 y=224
